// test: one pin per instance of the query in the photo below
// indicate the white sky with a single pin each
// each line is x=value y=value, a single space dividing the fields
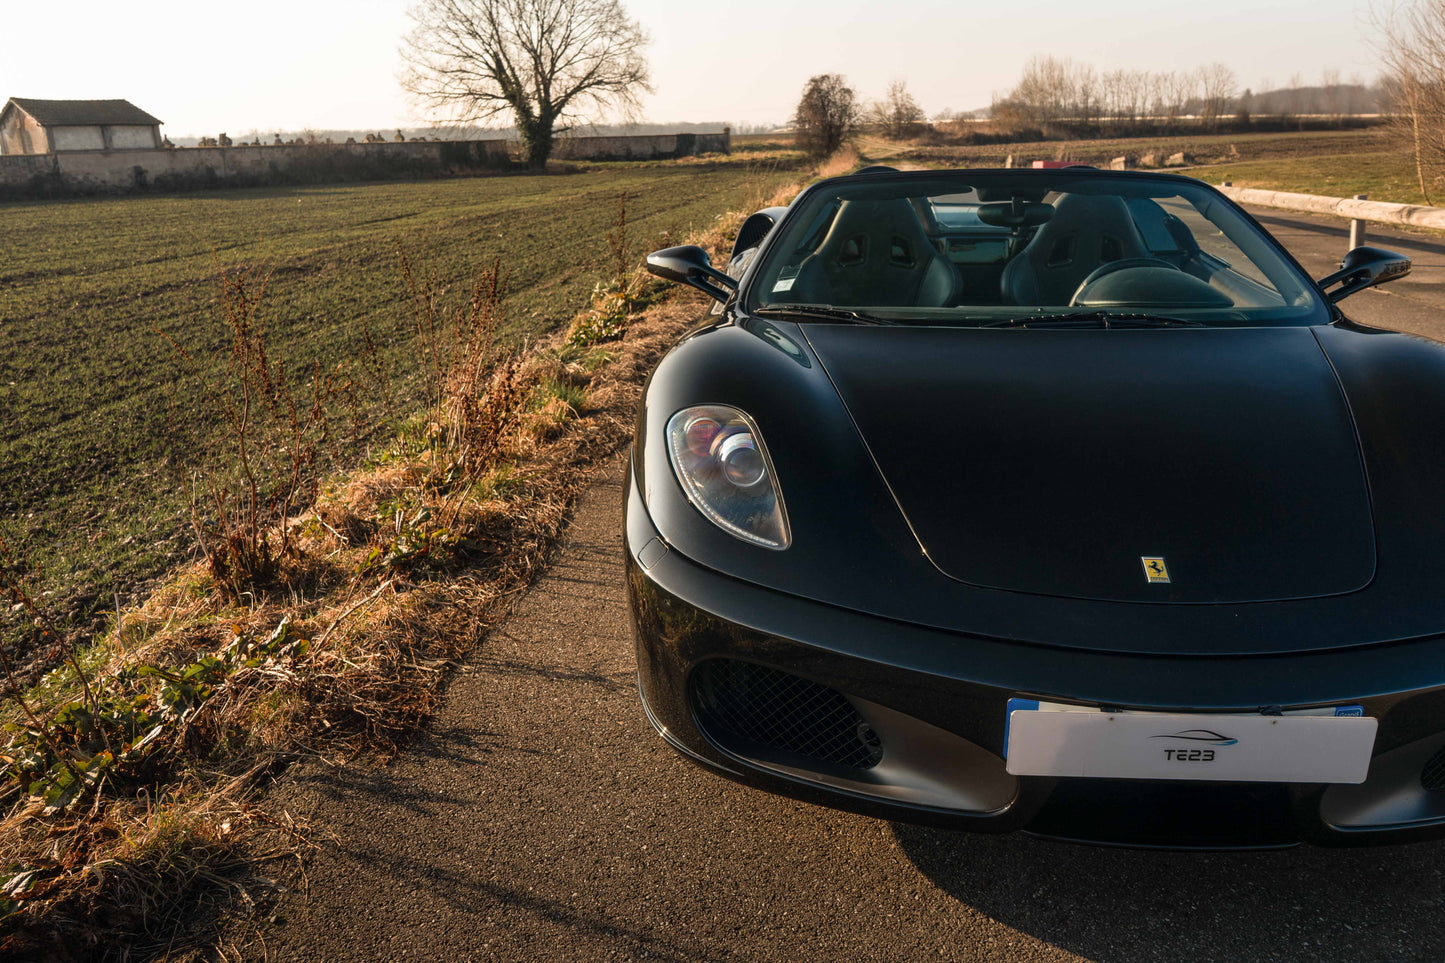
x=292 y=64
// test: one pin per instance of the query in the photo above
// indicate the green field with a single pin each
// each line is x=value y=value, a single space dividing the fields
x=95 y=406
x=1381 y=175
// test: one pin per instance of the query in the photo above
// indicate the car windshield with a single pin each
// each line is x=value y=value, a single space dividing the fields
x=1027 y=248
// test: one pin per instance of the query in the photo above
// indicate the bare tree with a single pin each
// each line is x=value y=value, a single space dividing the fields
x=1180 y=87
x=1136 y=94
x=1111 y=95
x=1218 y=88
x=897 y=113
x=1412 y=51
x=1045 y=92
x=1294 y=101
x=1354 y=95
x=826 y=114
x=1331 y=95
x=1087 y=93
x=541 y=62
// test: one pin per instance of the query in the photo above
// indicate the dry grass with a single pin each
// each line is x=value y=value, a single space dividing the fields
x=389 y=576
x=844 y=161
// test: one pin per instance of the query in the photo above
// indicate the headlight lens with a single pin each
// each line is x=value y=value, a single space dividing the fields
x=724 y=468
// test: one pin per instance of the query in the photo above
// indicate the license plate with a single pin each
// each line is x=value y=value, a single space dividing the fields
x=1330 y=745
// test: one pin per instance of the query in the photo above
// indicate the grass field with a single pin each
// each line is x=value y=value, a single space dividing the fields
x=1382 y=175
x=95 y=406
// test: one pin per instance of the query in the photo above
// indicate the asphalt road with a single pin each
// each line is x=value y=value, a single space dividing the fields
x=1415 y=303
x=540 y=818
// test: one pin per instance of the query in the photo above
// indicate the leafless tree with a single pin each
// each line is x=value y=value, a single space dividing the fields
x=1331 y=96
x=1045 y=92
x=542 y=63
x=1111 y=95
x=1294 y=101
x=826 y=114
x=1354 y=96
x=1218 y=88
x=1086 y=93
x=898 y=114
x=1412 y=51
x=1136 y=94
x=1180 y=88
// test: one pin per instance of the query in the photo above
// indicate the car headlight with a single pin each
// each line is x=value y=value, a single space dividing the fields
x=724 y=468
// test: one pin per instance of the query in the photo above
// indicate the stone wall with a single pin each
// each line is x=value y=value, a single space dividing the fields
x=94 y=172
x=113 y=171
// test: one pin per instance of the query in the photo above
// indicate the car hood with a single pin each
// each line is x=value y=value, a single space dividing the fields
x=1062 y=462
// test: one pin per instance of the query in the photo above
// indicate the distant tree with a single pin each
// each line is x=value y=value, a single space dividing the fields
x=1045 y=91
x=826 y=114
x=1294 y=101
x=1218 y=88
x=1087 y=93
x=1176 y=89
x=541 y=62
x=1242 y=109
x=898 y=114
x=1331 y=97
x=1113 y=87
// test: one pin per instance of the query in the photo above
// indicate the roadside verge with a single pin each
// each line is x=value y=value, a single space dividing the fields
x=135 y=773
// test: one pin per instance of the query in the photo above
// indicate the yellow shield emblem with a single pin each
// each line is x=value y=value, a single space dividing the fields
x=1154 y=569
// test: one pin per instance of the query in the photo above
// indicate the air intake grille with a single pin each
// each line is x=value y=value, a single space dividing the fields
x=781 y=711
x=1433 y=775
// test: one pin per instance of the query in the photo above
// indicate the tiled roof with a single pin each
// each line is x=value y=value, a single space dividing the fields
x=84 y=113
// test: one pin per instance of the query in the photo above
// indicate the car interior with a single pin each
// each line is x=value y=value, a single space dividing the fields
x=1004 y=248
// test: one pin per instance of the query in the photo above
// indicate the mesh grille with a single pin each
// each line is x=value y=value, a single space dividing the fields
x=782 y=711
x=1433 y=775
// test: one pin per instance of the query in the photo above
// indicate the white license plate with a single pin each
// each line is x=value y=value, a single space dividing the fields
x=1318 y=745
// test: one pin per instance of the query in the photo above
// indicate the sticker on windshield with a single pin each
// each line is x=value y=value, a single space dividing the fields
x=784 y=284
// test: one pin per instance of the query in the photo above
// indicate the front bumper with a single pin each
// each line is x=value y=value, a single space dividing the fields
x=933 y=704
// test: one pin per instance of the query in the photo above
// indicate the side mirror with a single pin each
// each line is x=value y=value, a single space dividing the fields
x=690 y=265
x=1365 y=267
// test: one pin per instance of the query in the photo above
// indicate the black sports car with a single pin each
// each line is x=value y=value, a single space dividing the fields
x=1056 y=500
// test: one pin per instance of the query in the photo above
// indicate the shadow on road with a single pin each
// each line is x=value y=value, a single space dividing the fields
x=1117 y=905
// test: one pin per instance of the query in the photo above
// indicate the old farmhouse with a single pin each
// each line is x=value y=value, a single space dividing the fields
x=50 y=126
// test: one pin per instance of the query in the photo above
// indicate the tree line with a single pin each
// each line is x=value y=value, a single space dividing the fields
x=1056 y=90
x=548 y=65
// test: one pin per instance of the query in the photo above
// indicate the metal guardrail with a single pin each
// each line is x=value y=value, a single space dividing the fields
x=1358 y=209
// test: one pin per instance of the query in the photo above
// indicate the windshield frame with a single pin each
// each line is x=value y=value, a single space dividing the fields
x=1211 y=203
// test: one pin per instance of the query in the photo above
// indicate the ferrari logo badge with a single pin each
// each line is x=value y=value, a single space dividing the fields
x=1154 y=569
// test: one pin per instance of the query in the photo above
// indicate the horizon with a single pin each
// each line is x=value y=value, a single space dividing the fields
x=343 y=75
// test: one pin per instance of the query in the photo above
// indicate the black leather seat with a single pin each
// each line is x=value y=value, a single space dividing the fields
x=877 y=254
x=1084 y=233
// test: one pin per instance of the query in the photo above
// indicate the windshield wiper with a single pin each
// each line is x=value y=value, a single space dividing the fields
x=823 y=311
x=1096 y=319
